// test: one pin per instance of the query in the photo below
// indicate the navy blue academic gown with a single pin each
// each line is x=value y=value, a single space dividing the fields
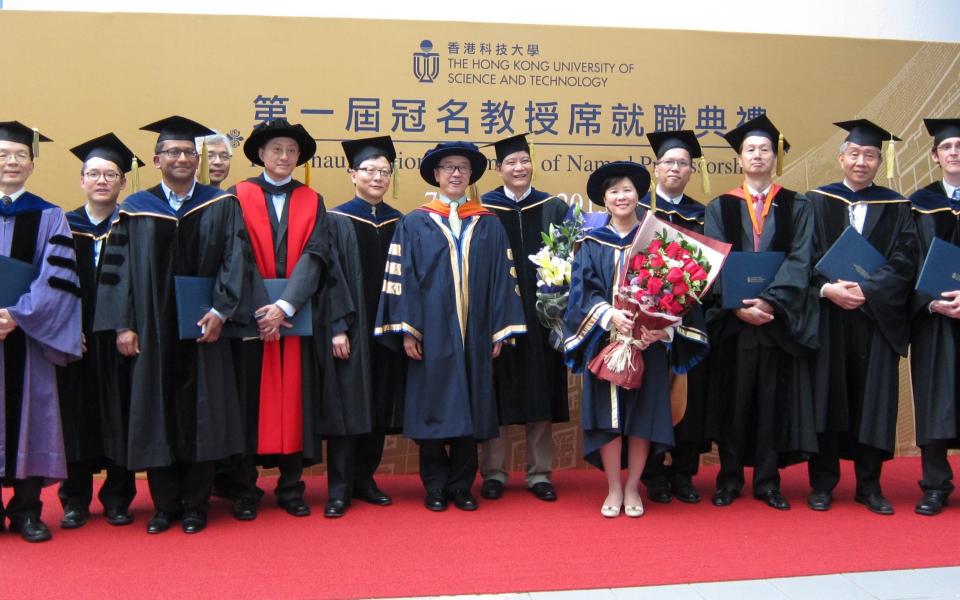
x=458 y=299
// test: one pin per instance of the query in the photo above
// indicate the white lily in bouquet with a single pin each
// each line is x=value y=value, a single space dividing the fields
x=554 y=269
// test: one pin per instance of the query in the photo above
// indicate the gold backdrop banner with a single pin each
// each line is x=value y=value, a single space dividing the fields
x=588 y=95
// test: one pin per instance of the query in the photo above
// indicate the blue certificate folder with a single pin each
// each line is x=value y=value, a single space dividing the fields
x=746 y=275
x=194 y=295
x=850 y=258
x=941 y=269
x=16 y=276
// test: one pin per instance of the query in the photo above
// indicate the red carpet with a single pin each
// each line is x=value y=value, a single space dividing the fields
x=515 y=544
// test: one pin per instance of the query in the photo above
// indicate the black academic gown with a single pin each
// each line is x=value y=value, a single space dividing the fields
x=305 y=283
x=458 y=300
x=934 y=338
x=530 y=378
x=364 y=392
x=863 y=405
x=94 y=397
x=609 y=411
x=789 y=338
x=688 y=213
x=184 y=404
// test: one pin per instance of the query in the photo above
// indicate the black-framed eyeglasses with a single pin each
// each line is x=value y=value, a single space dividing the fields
x=175 y=153
x=371 y=172
x=451 y=169
x=108 y=176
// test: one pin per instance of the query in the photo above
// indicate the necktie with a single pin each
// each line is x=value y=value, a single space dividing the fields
x=454 y=219
x=758 y=211
x=956 y=198
x=7 y=200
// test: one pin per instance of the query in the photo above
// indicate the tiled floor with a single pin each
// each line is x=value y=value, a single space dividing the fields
x=915 y=584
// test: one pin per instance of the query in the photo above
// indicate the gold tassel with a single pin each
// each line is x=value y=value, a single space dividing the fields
x=474 y=195
x=306 y=172
x=36 y=143
x=533 y=162
x=653 y=192
x=204 y=164
x=780 y=156
x=135 y=175
x=704 y=176
x=396 y=178
x=891 y=156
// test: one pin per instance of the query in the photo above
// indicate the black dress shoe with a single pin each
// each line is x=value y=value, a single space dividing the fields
x=117 y=515
x=74 y=518
x=932 y=502
x=724 y=497
x=373 y=495
x=435 y=500
x=774 y=499
x=31 y=529
x=491 y=489
x=335 y=508
x=194 y=521
x=245 y=509
x=463 y=499
x=296 y=507
x=660 y=493
x=544 y=491
x=161 y=521
x=686 y=492
x=876 y=503
x=819 y=501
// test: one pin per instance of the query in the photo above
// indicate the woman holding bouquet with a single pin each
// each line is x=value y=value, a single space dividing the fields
x=609 y=412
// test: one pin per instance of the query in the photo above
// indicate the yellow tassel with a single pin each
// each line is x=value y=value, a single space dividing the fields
x=36 y=143
x=474 y=195
x=135 y=175
x=780 y=157
x=396 y=178
x=204 y=164
x=533 y=162
x=306 y=172
x=653 y=192
x=890 y=158
x=704 y=177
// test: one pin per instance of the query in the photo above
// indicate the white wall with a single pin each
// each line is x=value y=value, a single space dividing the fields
x=929 y=20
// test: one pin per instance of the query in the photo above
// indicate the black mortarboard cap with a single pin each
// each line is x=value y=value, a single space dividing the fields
x=360 y=150
x=178 y=128
x=866 y=133
x=15 y=131
x=662 y=141
x=279 y=127
x=761 y=126
x=507 y=146
x=108 y=147
x=942 y=129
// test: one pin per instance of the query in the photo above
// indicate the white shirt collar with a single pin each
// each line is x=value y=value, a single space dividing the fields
x=664 y=195
x=460 y=202
x=167 y=191
x=13 y=197
x=949 y=188
x=510 y=195
x=283 y=181
x=765 y=192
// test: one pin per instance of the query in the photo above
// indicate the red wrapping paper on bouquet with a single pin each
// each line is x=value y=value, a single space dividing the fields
x=665 y=272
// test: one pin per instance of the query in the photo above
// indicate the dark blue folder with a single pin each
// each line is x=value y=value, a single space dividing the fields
x=941 y=269
x=16 y=276
x=850 y=258
x=194 y=296
x=746 y=275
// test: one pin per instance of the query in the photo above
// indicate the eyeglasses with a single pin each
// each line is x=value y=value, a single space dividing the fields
x=20 y=157
x=108 y=176
x=451 y=169
x=955 y=147
x=175 y=153
x=371 y=172
x=671 y=163
x=223 y=156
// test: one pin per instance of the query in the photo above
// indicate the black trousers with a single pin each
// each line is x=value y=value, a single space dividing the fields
x=117 y=491
x=25 y=501
x=453 y=470
x=766 y=476
x=684 y=464
x=181 y=486
x=937 y=474
x=824 y=467
x=351 y=462
x=290 y=485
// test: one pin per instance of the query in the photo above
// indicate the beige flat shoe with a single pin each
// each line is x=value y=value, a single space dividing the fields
x=610 y=511
x=633 y=511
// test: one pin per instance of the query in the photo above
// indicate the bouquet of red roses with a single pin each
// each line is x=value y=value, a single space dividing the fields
x=666 y=272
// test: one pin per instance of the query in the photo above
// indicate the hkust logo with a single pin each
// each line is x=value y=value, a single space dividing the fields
x=426 y=63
